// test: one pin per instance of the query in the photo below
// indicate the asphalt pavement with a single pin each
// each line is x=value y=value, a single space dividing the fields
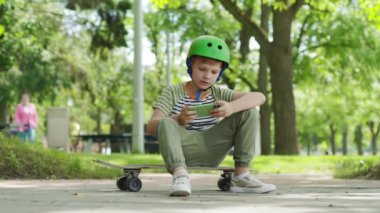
x=296 y=193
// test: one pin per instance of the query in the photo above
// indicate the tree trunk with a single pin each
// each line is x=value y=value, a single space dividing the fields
x=98 y=117
x=308 y=146
x=265 y=111
x=359 y=139
x=3 y=113
x=245 y=36
x=116 y=128
x=332 y=139
x=314 y=142
x=280 y=63
x=374 y=145
x=344 y=141
x=374 y=135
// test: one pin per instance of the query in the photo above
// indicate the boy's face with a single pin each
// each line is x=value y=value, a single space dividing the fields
x=205 y=71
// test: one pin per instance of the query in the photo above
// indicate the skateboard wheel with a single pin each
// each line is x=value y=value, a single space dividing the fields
x=121 y=183
x=224 y=184
x=134 y=184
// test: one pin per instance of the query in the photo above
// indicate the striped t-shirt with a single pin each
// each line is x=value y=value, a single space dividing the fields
x=174 y=98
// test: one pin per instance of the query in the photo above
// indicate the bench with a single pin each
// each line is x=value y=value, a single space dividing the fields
x=125 y=141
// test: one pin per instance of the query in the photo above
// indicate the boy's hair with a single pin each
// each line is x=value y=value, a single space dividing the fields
x=202 y=58
x=210 y=47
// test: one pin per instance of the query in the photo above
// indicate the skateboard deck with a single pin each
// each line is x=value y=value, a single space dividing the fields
x=131 y=181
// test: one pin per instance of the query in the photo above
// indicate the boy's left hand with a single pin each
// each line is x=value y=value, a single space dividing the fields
x=224 y=109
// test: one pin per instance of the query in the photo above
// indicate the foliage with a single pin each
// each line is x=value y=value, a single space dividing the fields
x=64 y=66
x=358 y=168
x=163 y=3
x=110 y=31
x=1 y=14
x=26 y=161
x=372 y=9
x=25 y=61
x=339 y=58
x=107 y=76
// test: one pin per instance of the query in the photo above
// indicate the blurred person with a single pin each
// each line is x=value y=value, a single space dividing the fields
x=26 y=119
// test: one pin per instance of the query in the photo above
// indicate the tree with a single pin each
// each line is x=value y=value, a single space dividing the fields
x=106 y=36
x=265 y=109
x=336 y=59
x=279 y=56
x=25 y=61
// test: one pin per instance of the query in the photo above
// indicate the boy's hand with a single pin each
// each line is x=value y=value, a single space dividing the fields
x=224 y=109
x=186 y=116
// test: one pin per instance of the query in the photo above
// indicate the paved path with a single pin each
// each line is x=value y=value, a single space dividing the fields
x=296 y=193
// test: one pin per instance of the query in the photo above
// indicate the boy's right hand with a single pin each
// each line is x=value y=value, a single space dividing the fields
x=186 y=116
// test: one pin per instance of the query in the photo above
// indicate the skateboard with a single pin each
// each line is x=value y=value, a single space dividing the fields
x=131 y=182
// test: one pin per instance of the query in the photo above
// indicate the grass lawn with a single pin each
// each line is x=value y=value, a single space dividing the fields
x=337 y=165
x=21 y=160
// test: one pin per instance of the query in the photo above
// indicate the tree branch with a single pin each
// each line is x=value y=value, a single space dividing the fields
x=253 y=28
x=296 y=6
x=371 y=125
x=244 y=79
x=317 y=9
x=303 y=30
x=325 y=44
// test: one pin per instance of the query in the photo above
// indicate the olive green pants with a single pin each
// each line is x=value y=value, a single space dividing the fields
x=180 y=147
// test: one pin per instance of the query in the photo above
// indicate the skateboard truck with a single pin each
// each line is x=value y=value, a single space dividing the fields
x=224 y=183
x=130 y=181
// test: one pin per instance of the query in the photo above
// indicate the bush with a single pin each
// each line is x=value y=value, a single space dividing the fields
x=356 y=167
x=22 y=160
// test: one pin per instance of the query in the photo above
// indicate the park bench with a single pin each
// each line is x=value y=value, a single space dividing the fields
x=124 y=141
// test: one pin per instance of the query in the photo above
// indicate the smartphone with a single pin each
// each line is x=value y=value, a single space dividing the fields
x=203 y=109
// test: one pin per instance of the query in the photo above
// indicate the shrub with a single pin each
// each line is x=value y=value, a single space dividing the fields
x=358 y=168
x=32 y=161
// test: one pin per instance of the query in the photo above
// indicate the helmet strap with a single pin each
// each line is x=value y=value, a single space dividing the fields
x=224 y=67
x=189 y=68
x=198 y=97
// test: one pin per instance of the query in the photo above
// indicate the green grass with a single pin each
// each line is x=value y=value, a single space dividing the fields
x=358 y=167
x=268 y=164
x=27 y=161
x=294 y=164
x=32 y=161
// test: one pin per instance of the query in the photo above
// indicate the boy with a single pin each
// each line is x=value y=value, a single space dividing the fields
x=188 y=140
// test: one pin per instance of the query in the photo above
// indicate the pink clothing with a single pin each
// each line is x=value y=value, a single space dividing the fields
x=26 y=115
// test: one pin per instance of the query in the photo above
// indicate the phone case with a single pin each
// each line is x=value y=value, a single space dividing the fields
x=203 y=110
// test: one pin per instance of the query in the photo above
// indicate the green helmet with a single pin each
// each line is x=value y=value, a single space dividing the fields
x=210 y=47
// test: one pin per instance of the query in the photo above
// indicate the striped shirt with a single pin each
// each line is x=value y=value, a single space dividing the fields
x=174 y=98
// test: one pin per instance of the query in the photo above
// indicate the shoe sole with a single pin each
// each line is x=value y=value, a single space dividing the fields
x=180 y=194
x=180 y=191
x=251 y=190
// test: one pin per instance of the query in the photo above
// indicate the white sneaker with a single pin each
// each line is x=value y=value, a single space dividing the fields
x=250 y=184
x=181 y=186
